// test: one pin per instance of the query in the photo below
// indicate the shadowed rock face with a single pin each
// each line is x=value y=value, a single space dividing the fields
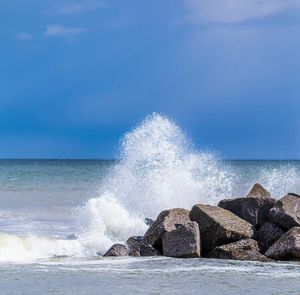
x=268 y=234
x=219 y=226
x=138 y=247
x=246 y=249
x=287 y=247
x=183 y=241
x=286 y=212
x=117 y=250
x=254 y=209
x=165 y=222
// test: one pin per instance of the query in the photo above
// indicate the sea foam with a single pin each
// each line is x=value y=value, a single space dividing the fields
x=158 y=168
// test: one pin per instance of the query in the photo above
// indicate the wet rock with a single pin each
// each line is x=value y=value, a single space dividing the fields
x=165 y=222
x=117 y=250
x=286 y=212
x=148 y=250
x=134 y=243
x=254 y=209
x=219 y=226
x=268 y=234
x=258 y=191
x=139 y=247
x=183 y=241
x=287 y=247
x=246 y=249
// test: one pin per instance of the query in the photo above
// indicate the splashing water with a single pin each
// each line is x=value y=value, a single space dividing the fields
x=158 y=170
x=280 y=181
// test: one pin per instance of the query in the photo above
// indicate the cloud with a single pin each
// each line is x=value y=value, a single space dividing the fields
x=61 y=31
x=235 y=11
x=80 y=7
x=24 y=36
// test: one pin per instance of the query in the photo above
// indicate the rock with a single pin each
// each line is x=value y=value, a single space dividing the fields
x=148 y=250
x=183 y=241
x=117 y=250
x=165 y=222
x=287 y=247
x=219 y=226
x=135 y=253
x=246 y=249
x=254 y=209
x=138 y=247
x=268 y=234
x=134 y=243
x=286 y=212
x=258 y=191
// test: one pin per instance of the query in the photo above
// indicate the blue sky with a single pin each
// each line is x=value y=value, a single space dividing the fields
x=76 y=74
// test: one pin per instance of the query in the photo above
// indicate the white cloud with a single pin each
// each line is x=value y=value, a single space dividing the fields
x=80 y=7
x=235 y=11
x=24 y=36
x=61 y=31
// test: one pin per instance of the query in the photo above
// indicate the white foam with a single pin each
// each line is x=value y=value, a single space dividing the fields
x=28 y=248
x=279 y=181
x=158 y=169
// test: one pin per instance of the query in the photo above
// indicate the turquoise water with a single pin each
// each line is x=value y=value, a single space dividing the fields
x=44 y=205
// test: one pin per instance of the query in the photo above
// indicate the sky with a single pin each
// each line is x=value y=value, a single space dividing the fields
x=77 y=74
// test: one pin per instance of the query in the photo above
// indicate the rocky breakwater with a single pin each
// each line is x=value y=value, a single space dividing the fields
x=256 y=228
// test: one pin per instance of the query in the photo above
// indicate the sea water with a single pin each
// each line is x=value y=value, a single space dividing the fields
x=56 y=215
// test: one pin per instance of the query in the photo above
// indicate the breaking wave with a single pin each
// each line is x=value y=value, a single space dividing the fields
x=158 y=169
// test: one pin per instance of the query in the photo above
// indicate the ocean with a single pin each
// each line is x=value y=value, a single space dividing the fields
x=56 y=215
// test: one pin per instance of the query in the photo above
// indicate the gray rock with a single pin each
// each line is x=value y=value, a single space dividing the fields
x=287 y=247
x=134 y=243
x=138 y=247
x=117 y=250
x=246 y=249
x=219 y=226
x=148 y=250
x=183 y=241
x=268 y=234
x=165 y=222
x=286 y=212
x=258 y=191
x=254 y=209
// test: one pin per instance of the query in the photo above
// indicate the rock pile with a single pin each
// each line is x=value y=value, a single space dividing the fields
x=256 y=228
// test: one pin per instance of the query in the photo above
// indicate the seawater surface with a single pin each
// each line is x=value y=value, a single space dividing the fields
x=56 y=215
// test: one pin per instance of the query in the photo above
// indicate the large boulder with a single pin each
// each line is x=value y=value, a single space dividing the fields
x=165 y=222
x=254 y=208
x=138 y=247
x=246 y=249
x=268 y=234
x=287 y=247
x=219 y=226
x=183 y=241
x=117 y=250
x=286 y=212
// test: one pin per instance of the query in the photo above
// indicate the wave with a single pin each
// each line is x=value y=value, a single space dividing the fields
x=159 y=168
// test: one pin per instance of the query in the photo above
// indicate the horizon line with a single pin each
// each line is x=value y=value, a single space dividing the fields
x=116 y=159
